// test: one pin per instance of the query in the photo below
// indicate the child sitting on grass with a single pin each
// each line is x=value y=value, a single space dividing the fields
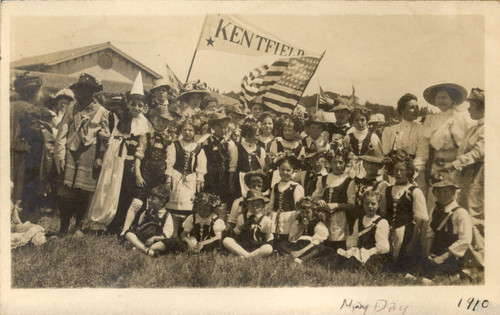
x=306 y=232
x=368 y=246
x=449 y=234
x=153 y=227
x=203 y=229
x=253 y=231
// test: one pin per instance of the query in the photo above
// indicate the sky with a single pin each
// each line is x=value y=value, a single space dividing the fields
x=383 y=56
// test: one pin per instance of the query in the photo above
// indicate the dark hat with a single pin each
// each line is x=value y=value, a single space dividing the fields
x=234 y=108
x=444 y=183
x=254 y=194
x=218 y=116
x=314 y=120
x=163 y=112
x=86 y=80
x=476 y=95
x=26 y=80
x=251 y=174
x=372 y=156
x=460 y=93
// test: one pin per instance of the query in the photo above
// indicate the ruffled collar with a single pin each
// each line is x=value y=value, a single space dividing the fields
x=140 y=125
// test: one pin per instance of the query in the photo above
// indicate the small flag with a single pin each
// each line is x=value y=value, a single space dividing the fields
x=325 y=99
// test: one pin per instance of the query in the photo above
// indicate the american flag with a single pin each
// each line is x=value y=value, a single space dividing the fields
x=251 y=84
x=284 y=82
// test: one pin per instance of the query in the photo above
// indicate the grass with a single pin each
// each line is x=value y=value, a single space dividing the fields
x=92 y=261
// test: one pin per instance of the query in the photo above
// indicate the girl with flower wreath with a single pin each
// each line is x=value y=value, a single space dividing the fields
x=406 y=212
x=186 y=169
x=331 y=192
x=202 y=230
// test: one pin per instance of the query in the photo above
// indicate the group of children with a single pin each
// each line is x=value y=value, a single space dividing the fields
x=300 y=187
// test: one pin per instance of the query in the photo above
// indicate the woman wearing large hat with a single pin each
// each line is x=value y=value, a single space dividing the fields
x=79 y=148
x=191 y=96
x=117 y=182
x=445 y=131
x=26 y=139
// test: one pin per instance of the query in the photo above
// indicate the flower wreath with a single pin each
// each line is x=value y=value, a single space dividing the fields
x=208 y=199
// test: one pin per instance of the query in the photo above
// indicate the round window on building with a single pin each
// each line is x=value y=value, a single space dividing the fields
x=105 y=61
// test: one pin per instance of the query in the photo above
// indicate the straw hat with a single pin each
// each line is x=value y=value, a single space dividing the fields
x=458 y=92
x=64 y=93
x=377 y=118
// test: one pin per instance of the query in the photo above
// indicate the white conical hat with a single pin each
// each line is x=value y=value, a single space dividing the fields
x=138 y=88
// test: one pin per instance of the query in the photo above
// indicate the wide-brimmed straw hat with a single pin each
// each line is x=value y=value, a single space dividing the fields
x=191 y=88
x=86 y=80
x=457 y=92
x=377 y=118
x=67 y=93
x=161 y=82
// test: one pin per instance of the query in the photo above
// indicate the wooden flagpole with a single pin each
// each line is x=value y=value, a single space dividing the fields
x=196 y=50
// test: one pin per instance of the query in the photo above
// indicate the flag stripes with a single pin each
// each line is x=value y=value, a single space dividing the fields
x=281 y=84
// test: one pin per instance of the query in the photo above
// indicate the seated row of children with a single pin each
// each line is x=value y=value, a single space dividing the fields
x=360 y=223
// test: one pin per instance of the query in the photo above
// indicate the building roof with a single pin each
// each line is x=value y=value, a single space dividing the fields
x=56 y=81
x=54 y=58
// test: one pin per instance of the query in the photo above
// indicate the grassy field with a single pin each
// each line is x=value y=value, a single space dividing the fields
x=103 y=261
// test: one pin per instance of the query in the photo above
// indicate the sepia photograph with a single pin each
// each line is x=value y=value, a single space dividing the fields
x=249 y=157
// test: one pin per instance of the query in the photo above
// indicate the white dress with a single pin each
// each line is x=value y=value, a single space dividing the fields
x=104 y=203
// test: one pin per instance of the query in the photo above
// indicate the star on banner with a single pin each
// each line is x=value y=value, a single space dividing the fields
x=210 y=41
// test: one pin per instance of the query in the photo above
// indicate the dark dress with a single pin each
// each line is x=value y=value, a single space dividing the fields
x=217 y=177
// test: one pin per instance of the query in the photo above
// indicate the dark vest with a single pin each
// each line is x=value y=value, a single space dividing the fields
x=248 y=162
x=310 y=181
x=281 y=148
x=336 y=194
x=157 y=147
x=442 y=238
x=400 y=212
x=364 y=146
x=184 y=160
x=203 y=232
x=251 y=231
x=367 y=240
x=217 y=153
x=283 y=201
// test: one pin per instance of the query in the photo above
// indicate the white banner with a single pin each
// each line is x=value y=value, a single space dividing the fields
x=230 y=34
